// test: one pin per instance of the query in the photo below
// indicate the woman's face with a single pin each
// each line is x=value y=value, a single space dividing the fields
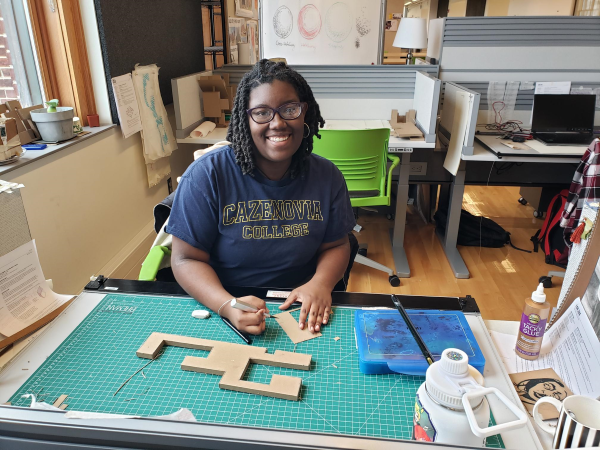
x=548 y=389
x=278 y=140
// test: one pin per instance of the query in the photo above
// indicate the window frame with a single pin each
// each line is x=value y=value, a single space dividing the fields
x=59 y=43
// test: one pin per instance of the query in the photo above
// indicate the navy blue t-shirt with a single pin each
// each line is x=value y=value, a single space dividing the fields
x=260 y=232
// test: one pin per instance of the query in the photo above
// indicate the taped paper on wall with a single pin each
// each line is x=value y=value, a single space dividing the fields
x=495 y=97
x=157 y=135
x=527 y=86
x=127 y=105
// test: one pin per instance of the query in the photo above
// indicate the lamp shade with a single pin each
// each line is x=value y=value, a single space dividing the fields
x=412 y=33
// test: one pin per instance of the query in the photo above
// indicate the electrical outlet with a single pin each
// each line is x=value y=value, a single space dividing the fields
x=418 y=168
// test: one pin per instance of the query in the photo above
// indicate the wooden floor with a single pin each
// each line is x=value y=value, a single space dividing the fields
x=501 y=278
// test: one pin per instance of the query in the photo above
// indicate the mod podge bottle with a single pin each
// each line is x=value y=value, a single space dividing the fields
x=451 y=405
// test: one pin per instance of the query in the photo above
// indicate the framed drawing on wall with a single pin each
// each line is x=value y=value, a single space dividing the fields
x=243 y=8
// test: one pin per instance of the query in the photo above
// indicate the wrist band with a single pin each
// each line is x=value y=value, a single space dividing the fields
x=221 y=307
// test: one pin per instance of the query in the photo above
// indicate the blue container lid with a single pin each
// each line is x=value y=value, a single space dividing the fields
x=385 y=344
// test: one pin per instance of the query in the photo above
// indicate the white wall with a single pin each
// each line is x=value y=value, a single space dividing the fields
x=457 y=8
x=392 y=6
x=420 y=10
x=496 y=8
x=84 y=204
x=541 y=8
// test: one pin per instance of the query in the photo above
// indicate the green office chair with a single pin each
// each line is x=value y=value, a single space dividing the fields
x=361 y=156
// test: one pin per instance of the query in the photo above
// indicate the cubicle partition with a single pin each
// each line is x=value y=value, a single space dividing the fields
x=478 y=50
x=343 y=92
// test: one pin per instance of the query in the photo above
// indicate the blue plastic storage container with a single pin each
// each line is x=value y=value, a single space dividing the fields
x=385 y=344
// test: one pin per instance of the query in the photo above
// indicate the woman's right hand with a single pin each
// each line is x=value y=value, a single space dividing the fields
x=249 y=322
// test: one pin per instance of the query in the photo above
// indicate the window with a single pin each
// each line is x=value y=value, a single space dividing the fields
x=43 y=55
x=18 y=73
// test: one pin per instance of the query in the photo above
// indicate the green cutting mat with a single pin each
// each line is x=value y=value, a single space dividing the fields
x=91 y=364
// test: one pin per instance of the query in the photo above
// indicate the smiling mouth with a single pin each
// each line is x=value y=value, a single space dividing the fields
x=278 y=138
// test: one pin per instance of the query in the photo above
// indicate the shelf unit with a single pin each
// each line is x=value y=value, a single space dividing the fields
x=216 y=9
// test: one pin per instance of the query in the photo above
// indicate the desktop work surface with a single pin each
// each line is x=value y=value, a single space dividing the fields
x=339 y=407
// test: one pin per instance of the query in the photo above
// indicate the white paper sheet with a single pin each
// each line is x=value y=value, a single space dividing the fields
x=462 y=110
x=24 y=294
x=527 y=86
x=127 y=105
x=553 y=87
x=570 y=347
x=495 y=97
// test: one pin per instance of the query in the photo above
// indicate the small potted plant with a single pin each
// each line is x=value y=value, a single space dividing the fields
x=55 y=123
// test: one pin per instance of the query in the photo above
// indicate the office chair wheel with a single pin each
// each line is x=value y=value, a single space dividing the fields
x=362 y=252
x=546 y=281
x=389 y=216
x=522 y=201
x=538 y=214
x=394 y=280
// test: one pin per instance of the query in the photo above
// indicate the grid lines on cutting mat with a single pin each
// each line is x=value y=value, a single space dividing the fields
x=93 y=362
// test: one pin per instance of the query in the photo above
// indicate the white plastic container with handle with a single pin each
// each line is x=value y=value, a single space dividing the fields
x=451 y=406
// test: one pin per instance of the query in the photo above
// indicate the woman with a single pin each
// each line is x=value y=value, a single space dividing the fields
x=264 y=211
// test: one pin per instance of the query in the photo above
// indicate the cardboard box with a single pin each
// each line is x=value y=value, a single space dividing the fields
x=13 y=143
x=212 y=104
x=26 y=133
x=217 y=97
x=404 y=126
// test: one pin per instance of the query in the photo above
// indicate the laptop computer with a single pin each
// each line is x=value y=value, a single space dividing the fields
x=563 y=119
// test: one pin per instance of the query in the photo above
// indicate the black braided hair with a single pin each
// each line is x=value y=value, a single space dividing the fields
x=239 y=135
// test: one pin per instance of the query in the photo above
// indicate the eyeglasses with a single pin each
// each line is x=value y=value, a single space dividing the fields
x=289 y=111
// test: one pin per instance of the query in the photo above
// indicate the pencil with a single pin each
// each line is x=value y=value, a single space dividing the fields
x=241 y=334
x=413 y=330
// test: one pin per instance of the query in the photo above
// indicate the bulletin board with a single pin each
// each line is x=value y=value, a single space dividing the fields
x=165 y=33
x=322 y=32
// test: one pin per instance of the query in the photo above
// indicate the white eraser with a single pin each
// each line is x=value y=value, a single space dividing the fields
x=201 y=314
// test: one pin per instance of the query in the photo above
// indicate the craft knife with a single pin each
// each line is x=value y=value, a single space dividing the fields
x=243 y=306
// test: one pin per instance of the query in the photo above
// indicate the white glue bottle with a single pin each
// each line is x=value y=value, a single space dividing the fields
x=533 y=324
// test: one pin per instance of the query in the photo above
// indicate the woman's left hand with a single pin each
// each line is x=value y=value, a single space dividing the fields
x=316 y=304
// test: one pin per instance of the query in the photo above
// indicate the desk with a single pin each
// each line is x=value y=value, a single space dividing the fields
x=457 y=188
x=537 y=148
x=396 y=145
x=20 y=422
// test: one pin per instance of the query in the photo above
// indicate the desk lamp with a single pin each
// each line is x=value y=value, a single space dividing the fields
x=411 y=34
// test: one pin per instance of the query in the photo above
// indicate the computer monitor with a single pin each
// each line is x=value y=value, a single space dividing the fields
x=563 y=113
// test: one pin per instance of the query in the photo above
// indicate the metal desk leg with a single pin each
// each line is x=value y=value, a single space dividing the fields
x=400 y=260
x=448 y=241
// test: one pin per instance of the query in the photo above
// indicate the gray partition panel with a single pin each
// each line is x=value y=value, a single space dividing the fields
x=521 y=31
x=524 y=98
x=351 y=81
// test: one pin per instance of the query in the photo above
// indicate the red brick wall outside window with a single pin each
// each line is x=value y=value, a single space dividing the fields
x=8 y=83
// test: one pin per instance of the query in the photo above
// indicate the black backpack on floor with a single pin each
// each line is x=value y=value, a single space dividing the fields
x=475 y=231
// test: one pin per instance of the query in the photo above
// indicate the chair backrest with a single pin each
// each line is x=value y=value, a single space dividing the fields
x=361 y=156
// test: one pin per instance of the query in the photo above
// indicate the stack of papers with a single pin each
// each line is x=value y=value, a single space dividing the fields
x=570 y=347
x=25 y=297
